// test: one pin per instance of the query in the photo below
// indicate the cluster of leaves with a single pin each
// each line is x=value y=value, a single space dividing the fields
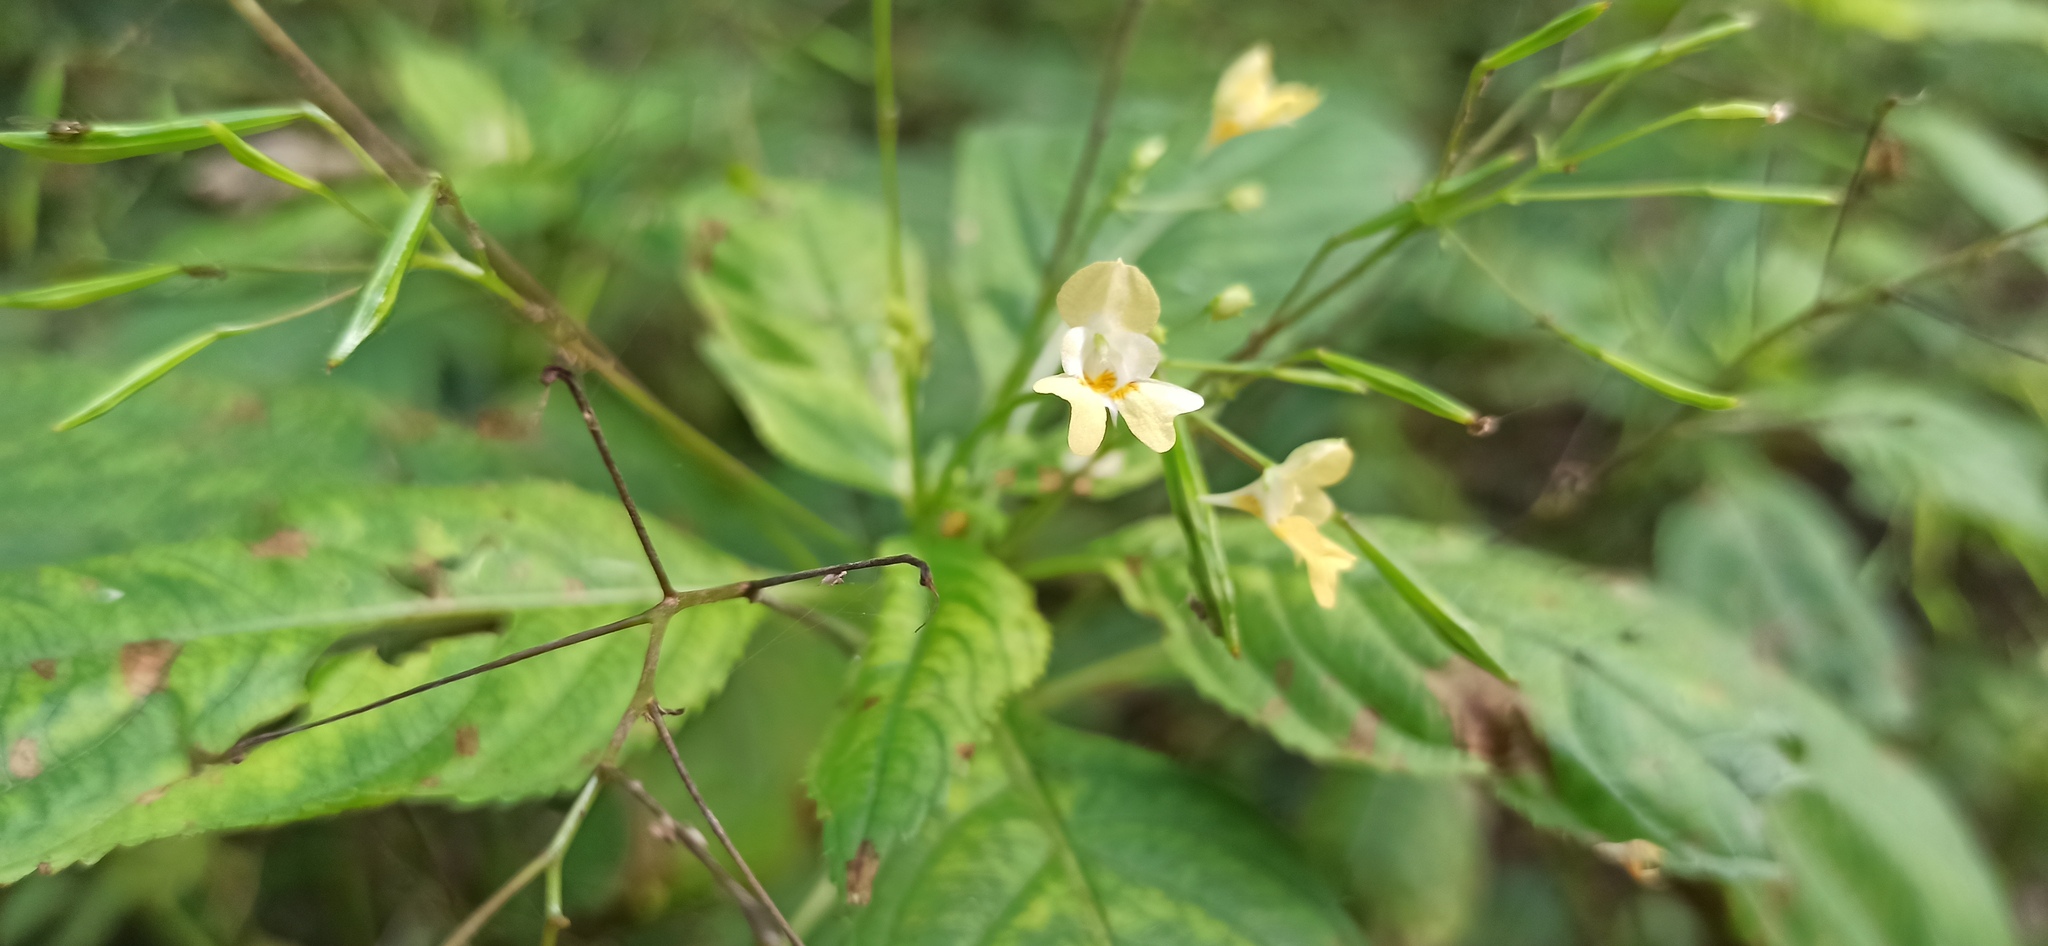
x=1716 y=731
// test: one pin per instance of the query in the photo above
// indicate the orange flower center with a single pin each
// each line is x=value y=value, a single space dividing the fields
x=1105 y=384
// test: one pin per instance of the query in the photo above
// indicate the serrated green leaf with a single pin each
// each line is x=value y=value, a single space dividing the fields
x=1170 y=861
x=1648 y=54
x=380 y=291
x=91 y=144
x=1208 y=563
x=120 y=671
x=1543 y=37
x=793 y=283
x=930 y=681
x=1764 y=554
x=1653 y=724
x=71 y=295
x=1398 y=386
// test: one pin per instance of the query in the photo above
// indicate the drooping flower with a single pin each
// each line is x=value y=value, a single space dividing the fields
x=1289 y=497
x=1248 y=100
x=1106 y=359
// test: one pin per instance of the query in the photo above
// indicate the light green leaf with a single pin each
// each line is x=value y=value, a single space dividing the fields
x=380 y=291
x=1634 y=719
x=90 y=144
x=793 y=283
x=120 y=671
x=456 y=105
x=1648 y=54
x=71 y=295
x=926 y=689
x=1208 y=563
x=1169 y=860
x=1998 y=179
x=1398 y=386
x=1765 y=555
x=1549 y=34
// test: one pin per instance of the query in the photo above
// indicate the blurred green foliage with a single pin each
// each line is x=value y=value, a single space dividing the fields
x=1828 y=711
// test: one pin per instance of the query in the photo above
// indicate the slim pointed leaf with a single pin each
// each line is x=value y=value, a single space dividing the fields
x=141 y=376
x=926 y=688
x=1549 y=34
x=255 y=160
x=120 y=675
x=1476 y=642
x=1791 y=195
x=1208 y=564
x=1164 y=857
x=1659 y=382
x=1648 y=54
x=71 y=295
x=1399 y=386
x=380 y=292
x=87 y=143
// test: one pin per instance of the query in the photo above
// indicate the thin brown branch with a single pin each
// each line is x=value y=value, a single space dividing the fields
x=732 y=850
x=667 y=828
x=555 y=373
x=329 y=96
x=682 y=600
x=849 y=638
x=1850 y=192
x=236 y=752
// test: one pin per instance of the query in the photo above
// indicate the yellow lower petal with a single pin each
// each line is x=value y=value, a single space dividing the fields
x=1326 y=560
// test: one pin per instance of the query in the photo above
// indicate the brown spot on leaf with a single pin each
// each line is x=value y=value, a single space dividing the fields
x=45 y=869
x=497 y=423
x=1050 y=479
x=1364 y=734
x=1273 y=710
x=431 y=781
x=150 y=797
x=966 y=751
x=870 y=701
x=1084 y=486
x=1004 y=479
x=23 y=760
x=573 y=588
x=144 y=664
x=46 y=668
x=1283 y=673
x=860 y=874
x=953 y=524
x=466 y=741
x=704 y=243
x=284 y=543
x=1489 y=719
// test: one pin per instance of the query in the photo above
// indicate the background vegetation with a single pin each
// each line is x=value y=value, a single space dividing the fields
x=1836 y=731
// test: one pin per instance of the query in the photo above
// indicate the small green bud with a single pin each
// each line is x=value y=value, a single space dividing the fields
x=1246 y=197
x=1231 y=302
x=1147 y=154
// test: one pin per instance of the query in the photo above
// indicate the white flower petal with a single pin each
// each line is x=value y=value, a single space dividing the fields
x=1249 y=498
x=1072 y=343
x=1109 y=294
x=1320 y=462
x=1090 y=415
x=1132 y=356
x=1150 y=408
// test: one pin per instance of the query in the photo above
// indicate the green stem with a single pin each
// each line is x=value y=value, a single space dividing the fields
x=1251 y=455
x=550 y=856
x=1281 y=320
x=1141 y=665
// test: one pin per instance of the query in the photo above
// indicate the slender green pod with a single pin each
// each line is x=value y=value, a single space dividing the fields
x=1400 y=387
x=255 y=160
x=1549 y=34
x=1785 y=194
x=75 y=142
x=1210 y=565
x=1665 y=385
x=1451 y=625
x=380 y=292
x=1648 y=54
x=71 y=295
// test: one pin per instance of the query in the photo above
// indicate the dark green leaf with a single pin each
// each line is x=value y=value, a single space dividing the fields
x=85 y=143
x=927 y=687
x=135 y=665
x=71 y=295
x=1168 y=860
x=380 y=291
x=1764 y=554
x=793 y=283
x=1412 y=849
x=1549 y=34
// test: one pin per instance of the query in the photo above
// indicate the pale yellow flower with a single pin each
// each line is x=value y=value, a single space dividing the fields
x=1289 y=497
x=1248 y=100
x=1107 y=360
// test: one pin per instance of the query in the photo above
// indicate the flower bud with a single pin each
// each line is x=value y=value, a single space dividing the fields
x=1147 y=154
x=1245 y=197
x=1231 y=302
